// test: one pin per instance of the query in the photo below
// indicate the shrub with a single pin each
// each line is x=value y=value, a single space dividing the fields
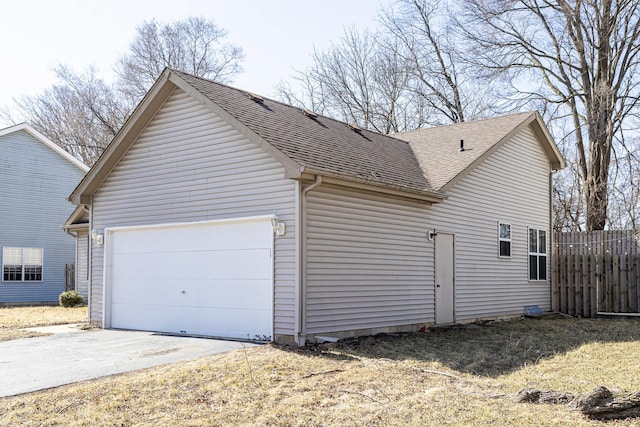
x=70 y=299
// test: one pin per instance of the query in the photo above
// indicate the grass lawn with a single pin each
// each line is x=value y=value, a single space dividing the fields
x=457 y=377
x=14 y=319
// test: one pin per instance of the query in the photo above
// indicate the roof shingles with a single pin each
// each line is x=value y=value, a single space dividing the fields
x=438 y=148
x=423 y=161
x=320 y=144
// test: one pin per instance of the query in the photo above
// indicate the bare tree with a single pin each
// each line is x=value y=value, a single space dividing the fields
x=406 y=75
x=361 y=80
x=581 y=55
x=624 y=187
x=440 y=73
x=568 y=200
x=82 y=113
x=196 y=46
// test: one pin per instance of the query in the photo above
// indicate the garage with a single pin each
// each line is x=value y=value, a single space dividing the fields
x=211 y=278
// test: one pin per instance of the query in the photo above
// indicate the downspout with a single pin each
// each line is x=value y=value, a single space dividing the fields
x=90 y=266
x=70 y=233
x=301 y=333
x=552 y=241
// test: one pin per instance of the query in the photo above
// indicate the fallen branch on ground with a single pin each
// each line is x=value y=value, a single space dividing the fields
x=600 y=404
x=446 y=374
x=312 y=374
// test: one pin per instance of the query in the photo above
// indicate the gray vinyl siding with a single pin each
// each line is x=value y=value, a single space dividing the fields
x=190 y=165
x=35 y=182
x=369 y=262
x=82 y=264
x=510 y=186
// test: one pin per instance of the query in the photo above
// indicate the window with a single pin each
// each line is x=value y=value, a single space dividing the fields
x=504 y=239
x=21 y=264
x=537 y=254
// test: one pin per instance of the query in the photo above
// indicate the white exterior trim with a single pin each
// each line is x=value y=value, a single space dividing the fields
x=510 y=240
x=46 y=141
x=186 y=224
x=22 y=263
x=108 y=256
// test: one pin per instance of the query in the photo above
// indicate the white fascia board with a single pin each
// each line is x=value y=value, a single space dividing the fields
x=46 y=141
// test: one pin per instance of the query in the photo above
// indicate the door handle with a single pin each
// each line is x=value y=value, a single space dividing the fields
x=437 y=286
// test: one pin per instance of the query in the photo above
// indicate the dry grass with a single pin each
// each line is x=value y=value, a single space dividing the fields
x=14 y=319
x=457 y=377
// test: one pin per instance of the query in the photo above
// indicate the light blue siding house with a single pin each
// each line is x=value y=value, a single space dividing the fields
x=35 y=176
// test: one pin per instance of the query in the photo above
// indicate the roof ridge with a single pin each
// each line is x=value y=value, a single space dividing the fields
x=470 y=122
x=300 y=109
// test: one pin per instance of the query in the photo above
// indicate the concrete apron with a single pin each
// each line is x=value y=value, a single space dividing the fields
x=57 y=329
x=71 y=355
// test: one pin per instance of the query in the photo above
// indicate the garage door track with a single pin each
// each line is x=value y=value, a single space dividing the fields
x=32 y=364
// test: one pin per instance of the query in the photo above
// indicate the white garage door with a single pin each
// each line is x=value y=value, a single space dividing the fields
x=210 y=278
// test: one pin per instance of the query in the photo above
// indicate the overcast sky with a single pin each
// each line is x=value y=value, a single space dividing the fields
x=277 y=35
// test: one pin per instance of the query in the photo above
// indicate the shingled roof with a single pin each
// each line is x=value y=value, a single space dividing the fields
x=423 y=162
x=320 y=144
x=438 y=148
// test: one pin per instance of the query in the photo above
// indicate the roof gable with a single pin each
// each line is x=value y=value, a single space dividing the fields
x=421 y=163
x=79 y=219
x=320 y=144
x=46 y=142
x=303 y=143
x=439 y=151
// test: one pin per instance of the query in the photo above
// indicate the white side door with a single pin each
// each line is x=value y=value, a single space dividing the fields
x=445 y=279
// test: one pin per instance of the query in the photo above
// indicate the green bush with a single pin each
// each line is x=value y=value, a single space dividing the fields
x=70 y=299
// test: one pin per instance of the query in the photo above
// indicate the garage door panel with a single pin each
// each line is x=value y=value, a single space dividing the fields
x=255 y=324
x=156 y=318
x=235 y=236
x=147 y=292
x=219 y=264
x=198 y=279
x=235 y=295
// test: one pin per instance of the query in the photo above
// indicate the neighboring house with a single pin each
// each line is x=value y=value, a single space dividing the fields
x=217 y=212
x=35 y=176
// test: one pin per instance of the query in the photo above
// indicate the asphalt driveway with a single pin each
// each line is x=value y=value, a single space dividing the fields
x=32 y=364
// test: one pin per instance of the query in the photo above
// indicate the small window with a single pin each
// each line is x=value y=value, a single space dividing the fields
x=504 y=239
x=21 y=264
x=537 y=254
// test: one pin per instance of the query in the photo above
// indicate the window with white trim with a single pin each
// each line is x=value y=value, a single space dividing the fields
x=537 y=254
x=504 y=240
x=21 y=264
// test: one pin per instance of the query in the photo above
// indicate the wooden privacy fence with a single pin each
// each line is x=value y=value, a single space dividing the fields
x=596 y=272
x=585 y=285
x=606 y=242
x=70 y=277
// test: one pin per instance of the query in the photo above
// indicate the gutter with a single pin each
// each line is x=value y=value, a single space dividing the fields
x=70 y=232
x=301 y=334
x=377 y=187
